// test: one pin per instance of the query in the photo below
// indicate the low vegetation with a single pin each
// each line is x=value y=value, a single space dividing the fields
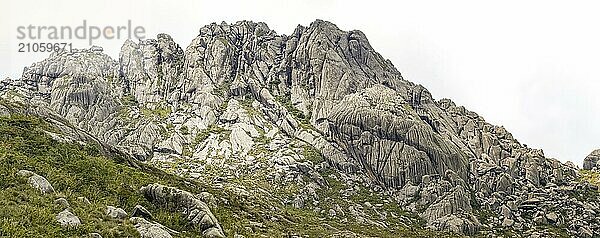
x=75 y=171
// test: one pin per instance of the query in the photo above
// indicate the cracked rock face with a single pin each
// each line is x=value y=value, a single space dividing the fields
x=390 y=141
x=241 y=96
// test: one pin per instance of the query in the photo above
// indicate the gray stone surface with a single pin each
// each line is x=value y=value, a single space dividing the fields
x=67 y=219
x=95 y=235
x=591 y=161
x=117 y=213
x=37 y=181
x=148 y=229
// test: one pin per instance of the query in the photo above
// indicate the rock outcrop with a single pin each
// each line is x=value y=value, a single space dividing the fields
x=195 y=211
x=591 y=161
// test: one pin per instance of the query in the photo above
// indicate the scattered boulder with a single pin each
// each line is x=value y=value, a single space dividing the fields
x=84 y=200
x=148 y=229
x=540 y=219
x=67 y=219
x=332 y=213
x=507 y=222
x=37 y=181
x=552 y=217
x=117 y=213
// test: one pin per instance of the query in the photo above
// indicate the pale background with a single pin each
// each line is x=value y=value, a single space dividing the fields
x=532 y=66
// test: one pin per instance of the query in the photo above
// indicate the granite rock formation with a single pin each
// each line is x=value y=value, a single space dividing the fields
x=591 y=161
x=240 y=92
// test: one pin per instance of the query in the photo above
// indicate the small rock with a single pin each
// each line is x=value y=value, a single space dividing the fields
x=508 y=222
x=149 y=229
x=117 y=213
x=256 y=224
x=332 y=213
x=95 y=235
x=317 y=210
x=67 y=219
x=41 y=183
x=140 y=211
x=298 y=202
x=212 y=232
x=84 y=200
x=37 y=181
x=25 y=173
x=552 y=217
x=540 y=219
x=64 y=204
x=506 y=212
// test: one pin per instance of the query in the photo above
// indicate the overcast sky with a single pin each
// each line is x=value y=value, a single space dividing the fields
x=532 y=66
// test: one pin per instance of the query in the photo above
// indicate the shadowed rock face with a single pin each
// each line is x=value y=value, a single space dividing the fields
x=152 y=69
x=321 y=85
x=591 y=161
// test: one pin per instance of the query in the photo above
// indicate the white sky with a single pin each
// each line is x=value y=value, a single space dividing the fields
x=532 y=66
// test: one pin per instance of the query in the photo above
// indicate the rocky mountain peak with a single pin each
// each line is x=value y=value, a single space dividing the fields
x=248 y=101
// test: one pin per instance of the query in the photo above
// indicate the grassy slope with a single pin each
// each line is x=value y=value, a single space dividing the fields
x=593 y=177
x=74 y=171
x=82 y=171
